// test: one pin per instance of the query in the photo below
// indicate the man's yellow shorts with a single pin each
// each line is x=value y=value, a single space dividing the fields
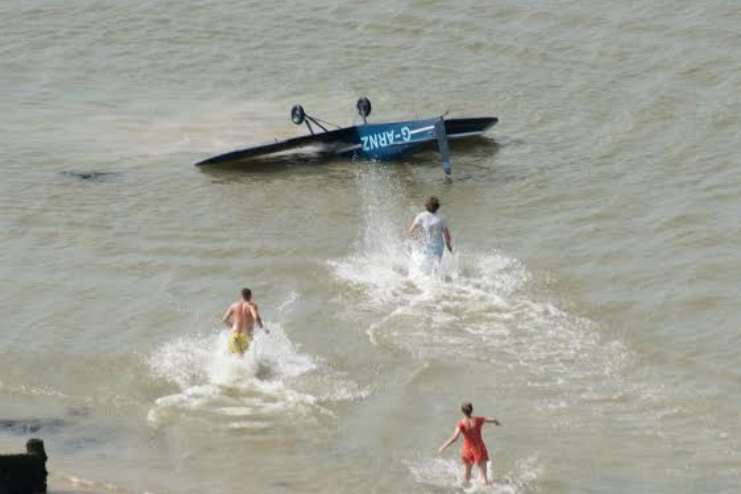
x=238 y=342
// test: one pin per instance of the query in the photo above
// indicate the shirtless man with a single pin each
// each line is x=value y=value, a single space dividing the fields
x=241 y=317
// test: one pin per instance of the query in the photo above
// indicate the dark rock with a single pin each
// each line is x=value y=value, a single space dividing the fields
x=24 y=473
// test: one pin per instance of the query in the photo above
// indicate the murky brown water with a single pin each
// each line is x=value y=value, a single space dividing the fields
x=591 y=304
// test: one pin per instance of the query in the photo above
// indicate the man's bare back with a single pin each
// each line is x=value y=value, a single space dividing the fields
x=242 y=315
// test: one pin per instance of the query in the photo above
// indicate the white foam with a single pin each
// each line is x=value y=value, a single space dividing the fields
x=271 y=377
x=213 y=381
x=479 y=305
x=87 y=485
x=448 y=473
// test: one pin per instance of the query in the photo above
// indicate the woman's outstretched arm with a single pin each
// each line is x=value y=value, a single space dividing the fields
x=453 y=438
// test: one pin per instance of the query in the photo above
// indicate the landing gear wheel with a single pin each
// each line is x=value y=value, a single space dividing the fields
x=364 y=107
x=297 y=114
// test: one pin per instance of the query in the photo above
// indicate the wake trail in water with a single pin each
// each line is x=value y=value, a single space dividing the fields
x=475 y=306
x=481 y=306
x=272 y=377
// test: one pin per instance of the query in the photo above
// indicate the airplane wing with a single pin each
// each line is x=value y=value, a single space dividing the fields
x=330 y=139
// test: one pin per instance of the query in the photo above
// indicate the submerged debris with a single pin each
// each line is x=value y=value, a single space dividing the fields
x=27 y=426
x=92 y=176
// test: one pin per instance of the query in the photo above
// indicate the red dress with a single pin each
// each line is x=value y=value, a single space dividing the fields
x=473 y=449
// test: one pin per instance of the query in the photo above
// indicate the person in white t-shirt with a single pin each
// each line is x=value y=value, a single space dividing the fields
x=431 y=230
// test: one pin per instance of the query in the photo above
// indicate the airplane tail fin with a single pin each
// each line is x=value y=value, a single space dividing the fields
x=442 y=145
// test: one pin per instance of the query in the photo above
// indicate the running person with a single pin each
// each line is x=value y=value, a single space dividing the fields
x=473 y=450
x=431 y=230
x=241 y=317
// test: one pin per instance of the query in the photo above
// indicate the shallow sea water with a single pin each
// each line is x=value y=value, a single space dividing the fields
x=590 y=305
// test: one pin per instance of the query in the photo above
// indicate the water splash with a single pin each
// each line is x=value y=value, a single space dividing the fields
x=271 y=377
x=478 y=306
x=447 y=473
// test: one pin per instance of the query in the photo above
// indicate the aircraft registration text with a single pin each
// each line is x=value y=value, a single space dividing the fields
x=386 y=138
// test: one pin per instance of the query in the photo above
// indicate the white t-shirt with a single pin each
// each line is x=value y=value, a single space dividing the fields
x=433 y=226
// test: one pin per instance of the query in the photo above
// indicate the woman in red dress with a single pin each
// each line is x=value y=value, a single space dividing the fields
x=473 y=450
